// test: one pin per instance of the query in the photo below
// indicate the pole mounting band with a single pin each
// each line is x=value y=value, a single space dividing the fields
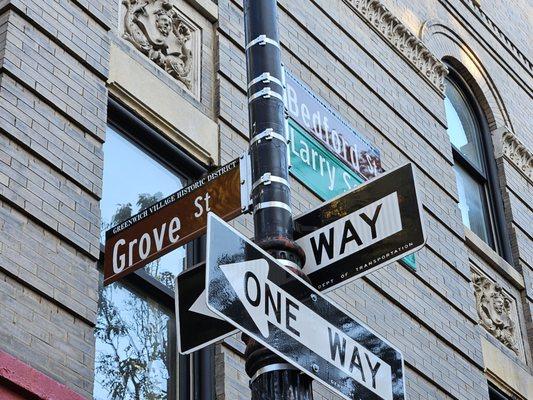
x=272 y=368
x=268 y=134
x=266 y=92
x=265 y=77
x=288 y=263
x=267 y=178
x=270 y=204
x=262 y=40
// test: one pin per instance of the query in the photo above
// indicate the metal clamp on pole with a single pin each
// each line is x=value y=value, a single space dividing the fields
x=265 y=78
x=262 y=40
x=272 y=367
x=266 y=93
x=268 y=178
x=288 y=263
x=272 y=204
x=268 y=134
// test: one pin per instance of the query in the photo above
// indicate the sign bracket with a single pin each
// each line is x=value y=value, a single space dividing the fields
x=268 y=134
x=269 y=204
x=262 y=40
x=267 y=178
x=246 y=179
x=265 y=78
x=266 y=92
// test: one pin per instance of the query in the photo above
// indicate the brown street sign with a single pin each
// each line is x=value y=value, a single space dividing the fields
x=173 y=221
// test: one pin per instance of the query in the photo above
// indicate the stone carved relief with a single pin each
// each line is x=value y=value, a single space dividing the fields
x=401 y=38
x=159 y=31
x=495 y=311
x=517 y=153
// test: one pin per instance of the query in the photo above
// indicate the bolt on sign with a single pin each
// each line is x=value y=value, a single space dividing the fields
x=317 y=118
x=175 y=220
x=271 y=304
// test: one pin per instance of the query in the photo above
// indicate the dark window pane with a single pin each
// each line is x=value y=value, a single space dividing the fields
x=463 y=128
x=472 y=203
x=495 y=394
x=133 y=181
x=133 y=336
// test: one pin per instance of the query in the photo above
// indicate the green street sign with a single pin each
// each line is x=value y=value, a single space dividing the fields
x=316 y=167
x=321 y=171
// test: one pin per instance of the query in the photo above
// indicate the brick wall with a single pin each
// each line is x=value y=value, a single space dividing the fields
x=53 y=110
x=54 y=62
x=429 y=314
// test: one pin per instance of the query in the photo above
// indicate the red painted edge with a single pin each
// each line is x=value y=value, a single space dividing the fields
x=27 y=379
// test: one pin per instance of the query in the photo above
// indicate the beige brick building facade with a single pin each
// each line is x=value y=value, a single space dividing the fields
x=106 y=105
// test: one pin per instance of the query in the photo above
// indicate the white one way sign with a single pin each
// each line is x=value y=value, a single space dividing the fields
x=287 y=315
x=357 y=232
x=352 y=233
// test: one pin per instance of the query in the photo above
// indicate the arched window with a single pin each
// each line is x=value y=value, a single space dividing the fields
x=479 y=199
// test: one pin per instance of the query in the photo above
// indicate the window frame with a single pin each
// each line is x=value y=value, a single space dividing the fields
x=489 y=179
x=494 y=391
x=195 y=378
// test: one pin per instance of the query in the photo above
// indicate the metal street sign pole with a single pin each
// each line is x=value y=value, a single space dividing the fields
x=272 y=377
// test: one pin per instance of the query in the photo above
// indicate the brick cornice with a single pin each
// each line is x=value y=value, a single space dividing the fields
x=31 y=383
x=475 y=7
x=400 y=38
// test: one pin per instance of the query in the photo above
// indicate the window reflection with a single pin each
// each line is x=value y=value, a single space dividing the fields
x=472 y=204
x=133 y=181
x=462 y=126
x=133 y=334
x=135 y=358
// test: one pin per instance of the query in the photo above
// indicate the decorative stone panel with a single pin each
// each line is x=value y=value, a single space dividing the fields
x=508 y=145
x=402 y=40
x=496 y=311
x=517 y=153
x=159 y=30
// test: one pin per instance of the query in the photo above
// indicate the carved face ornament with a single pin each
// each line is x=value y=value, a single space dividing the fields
x=163 y=24
x=498 y=304
x=494 y=307
x=494 y=310
x=155 y=28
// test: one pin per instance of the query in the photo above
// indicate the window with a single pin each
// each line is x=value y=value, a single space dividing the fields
x=135 y=329
x=133 y=357
x=495 y=394
x=133 y=180
x=479 y=198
